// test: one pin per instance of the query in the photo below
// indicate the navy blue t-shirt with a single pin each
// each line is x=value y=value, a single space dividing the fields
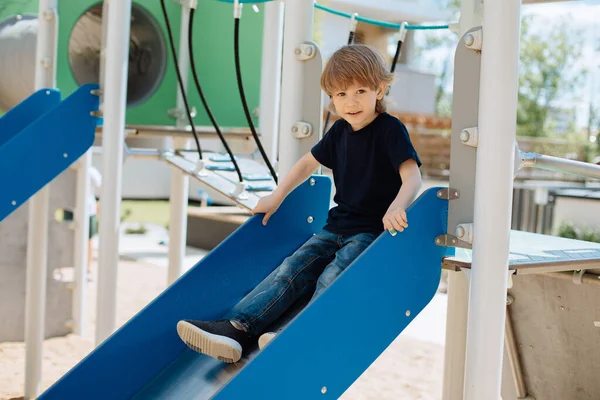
x=365 y=166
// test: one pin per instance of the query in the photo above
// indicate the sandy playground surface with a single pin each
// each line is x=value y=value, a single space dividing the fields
x=410 y=369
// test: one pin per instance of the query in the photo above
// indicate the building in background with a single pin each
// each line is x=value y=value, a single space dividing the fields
x=414 y=90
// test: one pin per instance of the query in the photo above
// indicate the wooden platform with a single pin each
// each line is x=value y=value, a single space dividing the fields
x=535 y=253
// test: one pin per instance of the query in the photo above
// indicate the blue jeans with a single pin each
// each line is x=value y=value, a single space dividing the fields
x=313 y=267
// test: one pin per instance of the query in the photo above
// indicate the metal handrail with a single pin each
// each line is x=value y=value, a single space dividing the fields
x=557 y=164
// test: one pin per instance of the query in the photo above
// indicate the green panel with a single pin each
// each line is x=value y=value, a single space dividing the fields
x=15 y=7
x=213 y=50
x=213 y=43
x=154 y=110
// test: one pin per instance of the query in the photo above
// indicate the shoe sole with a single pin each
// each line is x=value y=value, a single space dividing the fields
x=265 y=339
x=216 y=346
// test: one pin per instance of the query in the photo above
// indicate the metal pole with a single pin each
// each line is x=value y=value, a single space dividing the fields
x=178 y=202
x=298 y=27
x=82 y=218
x=270 y=80
x=82 y=228
x=180 y=182
x=562 y=165
x=513 y=357
x=456 y=336
x=458 y=283
x=493 y=191
x=37 y=232
x=115 y=91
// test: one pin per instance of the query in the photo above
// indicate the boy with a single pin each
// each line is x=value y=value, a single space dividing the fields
x=376 y=174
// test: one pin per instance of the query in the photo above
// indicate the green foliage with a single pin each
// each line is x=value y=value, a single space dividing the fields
x=140 y=230
x=145 y=211
x=569 y=231
x=126 y=213
x=591 y=235
x=434 y=41
x=548 y=71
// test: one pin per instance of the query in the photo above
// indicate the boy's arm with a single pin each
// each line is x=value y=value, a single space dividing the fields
x=395 y=217
x=299 y=173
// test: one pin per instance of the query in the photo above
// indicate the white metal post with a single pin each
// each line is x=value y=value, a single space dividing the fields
x=456 y=336
x=458 y=284
x=471 y=15
x=180 y=183
x=270 y=80
x=82 y=216
x=115 y=92
x=82 y=228
x=298 y=27
x=105 y=5
x=493 y=191
x=37 y=232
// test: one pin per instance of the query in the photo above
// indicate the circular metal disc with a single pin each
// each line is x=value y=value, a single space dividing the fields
x=18 y=35
x=147 y=52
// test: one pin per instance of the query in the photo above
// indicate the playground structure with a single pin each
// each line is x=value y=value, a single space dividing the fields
x=483 y=113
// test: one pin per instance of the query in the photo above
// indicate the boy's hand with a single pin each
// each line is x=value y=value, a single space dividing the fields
x=395 y=218
x=267 y=205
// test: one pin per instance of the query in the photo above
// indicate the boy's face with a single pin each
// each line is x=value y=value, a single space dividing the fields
x=356 y=104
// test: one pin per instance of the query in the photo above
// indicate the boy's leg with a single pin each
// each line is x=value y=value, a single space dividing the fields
x=353 y=246
x=294 y=277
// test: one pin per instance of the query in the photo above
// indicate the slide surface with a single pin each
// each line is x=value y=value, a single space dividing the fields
x=39 y=139
x=320 y=353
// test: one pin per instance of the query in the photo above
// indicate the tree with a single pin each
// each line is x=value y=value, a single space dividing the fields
x=435 y=53
x=548 y=72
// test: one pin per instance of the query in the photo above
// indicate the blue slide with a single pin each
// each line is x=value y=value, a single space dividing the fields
x=40 y=138
x=320 y=353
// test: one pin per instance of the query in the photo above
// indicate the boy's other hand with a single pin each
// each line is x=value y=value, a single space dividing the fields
x=267 y=205
x=395 y=218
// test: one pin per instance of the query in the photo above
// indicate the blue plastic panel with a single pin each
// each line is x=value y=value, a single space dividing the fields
x=335 y=339
x=24 y=113
x=43 y=149
x=329 y=344
x=132 y=357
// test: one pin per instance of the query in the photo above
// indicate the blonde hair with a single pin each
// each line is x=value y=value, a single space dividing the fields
x=356 y=63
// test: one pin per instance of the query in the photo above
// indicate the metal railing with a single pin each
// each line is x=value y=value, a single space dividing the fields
x=562 y=165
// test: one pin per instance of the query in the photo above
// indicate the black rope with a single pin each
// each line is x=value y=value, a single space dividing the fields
x=236 y=46
x=201 y=93
x=351 y=37
x=396 y=56
x=179 y=79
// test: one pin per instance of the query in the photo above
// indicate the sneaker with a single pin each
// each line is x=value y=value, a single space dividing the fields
x=265 y=339
x=217 y=339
